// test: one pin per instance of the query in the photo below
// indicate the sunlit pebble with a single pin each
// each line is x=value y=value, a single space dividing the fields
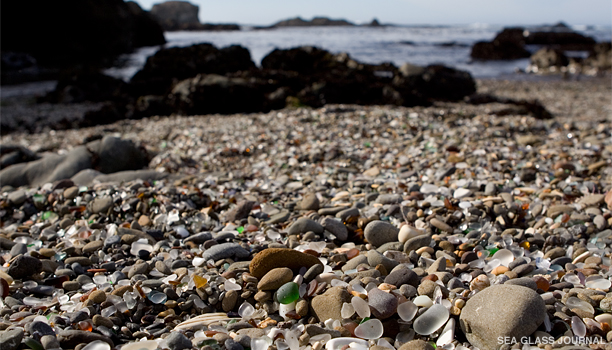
x=578 y=327
x=370 y=329
x=480 y=282
x=361 y=307
x=431 y=320
x=423 y=301
x=407 y=310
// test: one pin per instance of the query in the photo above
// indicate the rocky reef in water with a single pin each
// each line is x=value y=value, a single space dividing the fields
x=183 y=15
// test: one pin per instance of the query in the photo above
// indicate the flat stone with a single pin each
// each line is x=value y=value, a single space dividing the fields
x=442 y=226
x=501 y=311
x=17 y=197
x=224 y=251
x=92 y=247
x=83 y=261
x=375 y=258
x=199 y=238
x=271 y=258
x=329 y=304
x=303 y=225
x=138 y=269
x=275 y=278
x=592 y=199
x=416 y=243
x=380 y=232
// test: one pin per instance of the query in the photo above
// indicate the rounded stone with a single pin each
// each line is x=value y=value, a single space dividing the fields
x=417 y=344
x=97 y=296
x=275 y=278
x=501 y=311
x=178 y=341
x=402 y=275
x=303 y=225
x=382 y=304
x=99 y=320
x=229 y=302
x=380 y=232
x=271 y=258
x=92 y=247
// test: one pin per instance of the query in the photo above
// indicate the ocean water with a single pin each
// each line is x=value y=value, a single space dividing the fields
x=421 y=45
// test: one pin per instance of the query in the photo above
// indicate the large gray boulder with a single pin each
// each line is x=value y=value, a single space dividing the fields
x=108 y=155
x=501 y=311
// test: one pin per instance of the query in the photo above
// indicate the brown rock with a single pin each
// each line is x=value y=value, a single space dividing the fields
x=97 y=296
x=122 y=290
x=271 y=258
x=275 y=278
x=329 y=304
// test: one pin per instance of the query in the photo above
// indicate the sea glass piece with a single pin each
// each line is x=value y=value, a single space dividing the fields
x=246 y=310
x=578 y=326
x=361 y=307
x=97 y=345
x=341 y=342
x=431 y=320
x=599 y=284
x=288 y=293
x=448 y=333
x=423 y=301
x=199 y=281
x=347 y=310
x=371 y=329
x=141 y=345
x=157 y=297
x=407 y=310
x=573 y=302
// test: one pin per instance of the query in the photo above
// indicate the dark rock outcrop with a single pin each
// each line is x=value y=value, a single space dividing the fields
x=70 y=32
x=315 y=22
x=509 y=44
x=212 y=93
x=183 y=15
x=178 y=63
x=563 y=39
x=314 y=77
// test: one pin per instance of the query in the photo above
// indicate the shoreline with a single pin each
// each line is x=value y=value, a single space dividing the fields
x=433 y=218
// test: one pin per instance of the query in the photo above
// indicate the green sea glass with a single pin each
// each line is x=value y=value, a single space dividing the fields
x=288 y=293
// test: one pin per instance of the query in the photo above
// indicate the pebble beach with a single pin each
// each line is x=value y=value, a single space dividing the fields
x=453 y=226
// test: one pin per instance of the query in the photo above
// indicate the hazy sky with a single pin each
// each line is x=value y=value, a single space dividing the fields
x=506 y=12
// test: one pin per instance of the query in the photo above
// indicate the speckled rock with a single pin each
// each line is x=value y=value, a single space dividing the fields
x=501 y=311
